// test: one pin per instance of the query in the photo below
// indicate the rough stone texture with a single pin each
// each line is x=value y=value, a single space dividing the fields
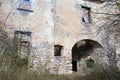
x=59 y=22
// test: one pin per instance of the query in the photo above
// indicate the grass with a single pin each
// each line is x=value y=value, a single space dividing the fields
x=99 y=73
x=14 y=68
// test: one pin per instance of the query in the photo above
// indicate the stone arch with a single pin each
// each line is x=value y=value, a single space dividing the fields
x=87 y=49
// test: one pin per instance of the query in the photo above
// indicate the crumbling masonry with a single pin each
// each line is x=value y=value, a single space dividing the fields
x=61 y=36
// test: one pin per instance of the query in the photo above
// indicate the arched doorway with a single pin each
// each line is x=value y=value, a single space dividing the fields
x=86 y=50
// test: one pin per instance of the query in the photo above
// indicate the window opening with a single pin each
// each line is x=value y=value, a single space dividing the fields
x=85 y=14
x=22 y=43
x=0 y=3
x=118 y=57
x=90 y=63
x=26 y=0
x=57 y=50
x=25 y=5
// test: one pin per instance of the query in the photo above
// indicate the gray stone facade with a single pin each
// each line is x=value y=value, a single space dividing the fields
x=76 y=25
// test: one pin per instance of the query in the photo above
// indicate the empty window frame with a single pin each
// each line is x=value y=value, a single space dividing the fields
x=22 y=44
x=26 y=0
x=86 y=14
x=0 y=3
x=118 y=57
x=25 y=5
x=90 y=63
x=57 y=50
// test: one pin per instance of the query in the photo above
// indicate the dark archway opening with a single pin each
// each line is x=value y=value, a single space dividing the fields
x=83 y=49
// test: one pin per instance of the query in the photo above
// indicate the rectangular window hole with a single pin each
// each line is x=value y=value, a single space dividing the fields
x=57 y=50
x=25 y=5
x=22 y=43
x=86 y=14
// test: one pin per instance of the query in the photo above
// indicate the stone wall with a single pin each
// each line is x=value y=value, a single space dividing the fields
x=56 y=22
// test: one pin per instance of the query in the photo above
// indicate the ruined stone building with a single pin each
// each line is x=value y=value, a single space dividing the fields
x=61 y=35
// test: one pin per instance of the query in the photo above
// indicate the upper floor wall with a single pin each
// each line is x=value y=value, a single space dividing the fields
x=56 y=21
x=28 y=15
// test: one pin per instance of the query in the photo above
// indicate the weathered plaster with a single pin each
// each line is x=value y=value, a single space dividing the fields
x=56 y=22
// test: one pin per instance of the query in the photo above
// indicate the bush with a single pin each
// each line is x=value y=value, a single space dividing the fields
x=103 y=73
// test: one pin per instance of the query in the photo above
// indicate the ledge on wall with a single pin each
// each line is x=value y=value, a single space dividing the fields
x=21 y=9
x=97 y=1
x=23 y=32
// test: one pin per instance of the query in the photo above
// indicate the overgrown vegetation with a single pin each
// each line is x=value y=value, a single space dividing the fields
x=20 y=73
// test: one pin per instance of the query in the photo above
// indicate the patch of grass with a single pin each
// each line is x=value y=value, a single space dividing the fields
x=15 y=68
x=101 y=73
